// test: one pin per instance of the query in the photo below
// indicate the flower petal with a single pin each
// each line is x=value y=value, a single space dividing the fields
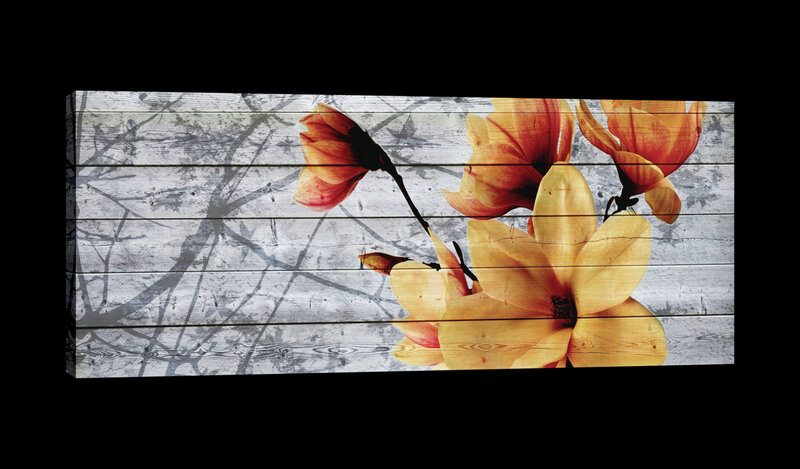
x=319 y=130
x=563 y=217
x=612 y=263
x=414 y=354
x=511 y=266
x=595 y=133
x=567 y=127
x=551 y=349
x=477 y=132
x=455 y=280
x=470 y=206
x=319 y=195
x=685 y=135
x=627 y=335
x=422 y=333
x=664 y=201
x=380 y=262
x=501 y=178
x=333 y=161
x=480 y=332
x=335 y=118
x=419 y=289
x=534 y=126
x=641 y=174
x=639 y=132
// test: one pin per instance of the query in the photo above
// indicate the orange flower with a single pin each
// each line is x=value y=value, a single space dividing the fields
x=513 y=147
x=654 y=139
x=562 y=293
x=423 y=292
x=338 y=153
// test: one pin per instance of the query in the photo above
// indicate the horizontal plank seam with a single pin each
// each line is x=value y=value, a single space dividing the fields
x=487 y=109
x=117 y=272
x=409 y=165
x=325 y=323
x=376 y=217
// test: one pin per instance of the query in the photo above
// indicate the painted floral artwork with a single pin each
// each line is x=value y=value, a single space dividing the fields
x=559 y=293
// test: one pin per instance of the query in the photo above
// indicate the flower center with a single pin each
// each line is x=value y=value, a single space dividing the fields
x=564 y=310
x=369 y=154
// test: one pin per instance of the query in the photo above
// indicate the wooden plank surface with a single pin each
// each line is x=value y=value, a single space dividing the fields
x=186 y=253
x=314 y=348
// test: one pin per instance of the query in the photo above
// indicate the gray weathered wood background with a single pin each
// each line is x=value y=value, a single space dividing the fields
x=186 y=254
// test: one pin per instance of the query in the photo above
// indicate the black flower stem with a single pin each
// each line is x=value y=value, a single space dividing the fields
x=389 y=168
x=464 y=268
x=623 y=201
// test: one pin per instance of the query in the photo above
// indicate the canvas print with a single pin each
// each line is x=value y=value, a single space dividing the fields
x=255 y=234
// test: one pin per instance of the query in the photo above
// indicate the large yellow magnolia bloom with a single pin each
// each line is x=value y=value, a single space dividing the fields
x=561 y=293
x=653 y=139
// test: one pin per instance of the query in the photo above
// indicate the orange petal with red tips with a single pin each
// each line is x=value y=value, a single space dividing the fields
x=639 y=132
x=664 y=201
x=567 y=127
x=626 y=335
x=641 y=174
x=685 y=136
x=319 y=195
x=531 y=125
x=470 y=206
x=595 y=133
x=334 y=118
x=321 y=131
x=500 y=178
x=380 y=262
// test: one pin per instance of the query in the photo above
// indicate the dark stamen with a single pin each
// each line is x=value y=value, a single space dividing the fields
x=564 y=309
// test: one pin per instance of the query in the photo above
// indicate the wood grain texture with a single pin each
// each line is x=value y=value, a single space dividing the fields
x=312 y=348
x=187 y=255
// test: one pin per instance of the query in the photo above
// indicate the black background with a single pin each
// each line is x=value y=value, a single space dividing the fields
x=577 y=58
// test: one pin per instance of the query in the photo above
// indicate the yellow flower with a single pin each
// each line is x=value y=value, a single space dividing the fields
x=423 y=292
x=562 y=293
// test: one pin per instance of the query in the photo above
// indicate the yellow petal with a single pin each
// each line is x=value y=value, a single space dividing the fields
x=664 y=201
x=629 y=335
x=511 y=266
x=551 y=348
x=416 y=355
x=477 y=133
x=419 y=289
x=612 y=263
x=563 y=217
x=491 y=344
